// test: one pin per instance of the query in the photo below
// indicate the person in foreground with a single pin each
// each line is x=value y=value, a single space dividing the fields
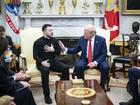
x=11 y=83
x=45 y=52
x=134 y=75
x=93 y=54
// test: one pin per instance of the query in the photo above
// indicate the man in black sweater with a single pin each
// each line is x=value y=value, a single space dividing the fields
x=45 y=52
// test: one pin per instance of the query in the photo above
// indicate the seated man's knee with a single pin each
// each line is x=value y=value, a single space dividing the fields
x=65 y=70
x=44 y=73
x=132 y=71
x=80 y=65
x=105 y=67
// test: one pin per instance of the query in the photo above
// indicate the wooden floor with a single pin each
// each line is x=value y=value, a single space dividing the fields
x=116 y=94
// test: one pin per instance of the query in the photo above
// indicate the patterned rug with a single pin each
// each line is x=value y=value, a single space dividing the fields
x=118 y=82
x=113 y=82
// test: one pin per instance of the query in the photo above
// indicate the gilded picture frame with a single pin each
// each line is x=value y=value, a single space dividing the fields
x=0 y=6
x=130 y=7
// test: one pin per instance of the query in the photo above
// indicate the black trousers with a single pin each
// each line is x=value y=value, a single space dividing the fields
x=24 y=96
x=134 y=75
x=81 y=66
x=57 y=66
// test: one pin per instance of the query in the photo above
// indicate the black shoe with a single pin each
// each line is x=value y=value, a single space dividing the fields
x=48 y=100
x=130 y=102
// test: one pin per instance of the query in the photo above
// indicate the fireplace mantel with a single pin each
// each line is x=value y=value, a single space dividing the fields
x=61 y=16
x=63 y=24
x=28 y=18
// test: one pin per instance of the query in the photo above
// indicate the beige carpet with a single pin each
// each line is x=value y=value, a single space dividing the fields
x=37 y=81
x=118 y=82
x=113 y=82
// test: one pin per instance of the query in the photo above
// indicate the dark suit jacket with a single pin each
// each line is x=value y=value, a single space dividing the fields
x=10 y=43
x=7 y=83
x=99 y=50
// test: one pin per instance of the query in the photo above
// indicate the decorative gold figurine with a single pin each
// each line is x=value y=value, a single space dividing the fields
x=74 y=3
x=98 y=4
x=62 y=7
x=26 y=4
x=85 y=7
x=39 y=7
x=50 y=5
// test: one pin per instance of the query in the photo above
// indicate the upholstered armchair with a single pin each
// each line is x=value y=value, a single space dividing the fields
x=6 y=100
x=94 y=73
x=106 y=34
x=27 y=62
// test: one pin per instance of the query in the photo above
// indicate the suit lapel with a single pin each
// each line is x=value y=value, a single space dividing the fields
x=96 y=43
x=84 y=48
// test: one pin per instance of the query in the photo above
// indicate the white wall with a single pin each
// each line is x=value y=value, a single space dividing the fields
x=126 y=22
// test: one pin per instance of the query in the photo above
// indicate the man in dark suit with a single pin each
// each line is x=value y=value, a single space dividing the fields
x=134 y=75
x=9 y=39
x=93 y=54
x=11 y=83
x=45 y=52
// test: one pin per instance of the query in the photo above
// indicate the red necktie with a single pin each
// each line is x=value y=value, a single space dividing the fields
x=89 y=52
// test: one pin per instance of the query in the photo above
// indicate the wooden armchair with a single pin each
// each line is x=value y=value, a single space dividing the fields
x=129 y=54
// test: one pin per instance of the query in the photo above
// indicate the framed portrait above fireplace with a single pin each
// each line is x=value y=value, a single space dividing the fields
x=130 y=7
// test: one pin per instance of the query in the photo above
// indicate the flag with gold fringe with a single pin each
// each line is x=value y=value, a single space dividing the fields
x=12 y=19
x=111 y=20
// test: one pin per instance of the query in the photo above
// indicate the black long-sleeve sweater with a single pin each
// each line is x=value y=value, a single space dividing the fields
x=39 y=53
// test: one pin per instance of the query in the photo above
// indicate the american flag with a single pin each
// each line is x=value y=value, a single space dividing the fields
x=12 y=22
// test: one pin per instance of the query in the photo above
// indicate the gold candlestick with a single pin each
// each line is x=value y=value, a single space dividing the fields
x=50 y=5
x=74 y=3
x=98 y=4
x=62 y=7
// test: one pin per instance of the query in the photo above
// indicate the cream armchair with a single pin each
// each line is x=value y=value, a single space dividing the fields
x=6 y=100
x=90 y=73
x=27 y=63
